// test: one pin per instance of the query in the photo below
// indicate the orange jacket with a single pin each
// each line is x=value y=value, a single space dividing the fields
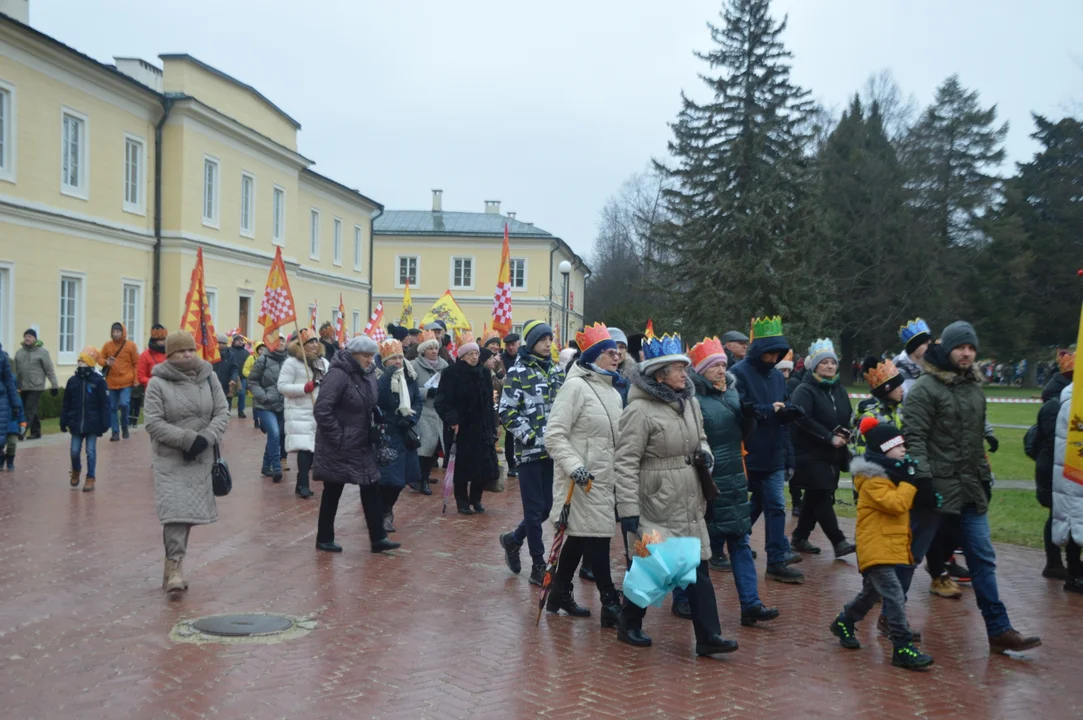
x=122 y=374
x=147 y=361
x=883 y=516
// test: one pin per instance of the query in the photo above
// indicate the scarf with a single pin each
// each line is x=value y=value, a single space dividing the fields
x=896 y=470
x=826 y=381
x=188 y=366
x=399 y=385
x=430 y=364
x=618 y=380
x=663 y=392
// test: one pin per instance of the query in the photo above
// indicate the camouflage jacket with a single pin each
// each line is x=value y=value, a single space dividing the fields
x=530 y=387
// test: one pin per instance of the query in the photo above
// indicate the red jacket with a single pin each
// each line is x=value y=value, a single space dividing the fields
x=147 y=361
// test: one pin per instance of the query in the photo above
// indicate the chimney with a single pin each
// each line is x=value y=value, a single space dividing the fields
x=492 y=207
x=437 y=200
x=511 y=215
x=139 y=70
x=16 y=10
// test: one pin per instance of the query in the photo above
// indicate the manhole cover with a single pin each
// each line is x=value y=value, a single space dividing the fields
x=243 y=625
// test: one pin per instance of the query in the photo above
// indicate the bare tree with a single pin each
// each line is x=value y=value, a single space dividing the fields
x=896 y=112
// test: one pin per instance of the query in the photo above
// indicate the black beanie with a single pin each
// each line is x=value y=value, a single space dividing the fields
x=881 y=437
x=31 y=331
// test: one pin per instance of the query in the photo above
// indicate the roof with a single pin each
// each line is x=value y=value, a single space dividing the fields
x=425 y=222
x=340 y=186
x=235 y=81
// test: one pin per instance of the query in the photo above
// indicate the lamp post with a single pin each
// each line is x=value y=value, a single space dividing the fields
x=565 y=268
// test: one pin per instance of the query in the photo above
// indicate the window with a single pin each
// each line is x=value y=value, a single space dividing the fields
x=408 y=271
x=248 y=205
x=131 y=308
x=212 y=304
x=462 y=273
x=357 y=248
x=134 y=161
x=314 y=235
x=7 y=132
x=355 y=323
x=517 y=271
x=73 y=170
x=210 y=192
x=70 y=340
x=278 y=232
x=336 y=247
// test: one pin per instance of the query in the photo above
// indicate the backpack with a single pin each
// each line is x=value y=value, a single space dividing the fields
x=1031 y=442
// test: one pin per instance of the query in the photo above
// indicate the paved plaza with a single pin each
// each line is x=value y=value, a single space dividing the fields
x=441 y=629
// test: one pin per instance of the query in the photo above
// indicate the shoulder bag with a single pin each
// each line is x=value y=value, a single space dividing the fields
x=221 y=480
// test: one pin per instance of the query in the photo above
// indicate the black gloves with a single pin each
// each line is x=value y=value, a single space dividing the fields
x=403 y=423
x=789 y=414
x=703 y=459
x=431 y=392
x=630 y=525
x=925 y=498
x=994 y=444
x=197 y=448
x=582 y=477
x=63 y=429
x=54 y=392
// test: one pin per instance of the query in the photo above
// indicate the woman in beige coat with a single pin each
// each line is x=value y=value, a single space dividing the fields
x=186 y=414
x=660 y=444
x=581 y=437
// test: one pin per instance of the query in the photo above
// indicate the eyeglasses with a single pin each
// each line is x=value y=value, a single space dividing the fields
x=615 y=354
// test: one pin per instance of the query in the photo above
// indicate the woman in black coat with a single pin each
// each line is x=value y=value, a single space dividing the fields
x=819 y=443
x=464 y=401
x=1043 y=470
x=345 y=454
x=400 y=404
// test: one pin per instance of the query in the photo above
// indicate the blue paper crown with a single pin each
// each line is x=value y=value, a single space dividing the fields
x=821 y=345
x=657 y=347
x=912 y=329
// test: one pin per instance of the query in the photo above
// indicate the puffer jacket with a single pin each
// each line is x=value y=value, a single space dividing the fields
x=151 y=357
x=945 y=428
x=122 y=374
x=431 y=427
x=263 y=380
x=660 y=431
x=298 y=405
x=769 y=446
x=33 y=366
x=11 y=407
x=179 y=407
x=1067 y=494
x=582 y=432
x=826 y=406
x=85 y=410
x=724 y=427
x=1043 y=463
x=883 y=516
x=529 y=391
x=343 y=412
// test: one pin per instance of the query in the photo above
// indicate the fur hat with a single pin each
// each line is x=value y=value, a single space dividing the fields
x=158 y=332
x=180 y=340
x=362 y=344
x=90 y=355
x=308 y=334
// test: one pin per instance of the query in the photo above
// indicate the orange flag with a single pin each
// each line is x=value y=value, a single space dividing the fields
x=197 y=314
x=649 y=332
x=277 y=308
x=502 y=297
x=375 y=329
x=340 y=331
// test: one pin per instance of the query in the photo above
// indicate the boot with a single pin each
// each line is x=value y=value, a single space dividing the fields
x=330 y=546
x=389 y=522
x=285 y=464
x=1011 y=640
x=715 y=645
x=791 y=558
x=174 y=582
x=881 y=625
x=115 y=437
x=511 y=553
x=1055 y=572
x=632 y=636
x=479 y=508
x=844 y=548
x=423 y=487
x=844 y=630
x=277 y=477
x=124 y=432
x=610 y=609
x=682 y=609
x=720 y=562
x=560 y=598
x=464 y=509
x=910 y=658
x=537 y=574
x=88 y=486
x=785 y=574
x=945 y=587
x=804 y=546
x=384 y=545
x=11 y=462
x=1074 y=585
x=758 y=614
x=303 y=491
x=75 y=478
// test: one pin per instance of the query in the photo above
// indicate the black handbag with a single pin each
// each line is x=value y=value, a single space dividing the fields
x=221 y=480
x=410 y=439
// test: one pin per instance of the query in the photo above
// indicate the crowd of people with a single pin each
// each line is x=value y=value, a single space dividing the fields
x=637 y=434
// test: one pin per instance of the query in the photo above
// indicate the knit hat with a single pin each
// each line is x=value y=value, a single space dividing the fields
x=882 y=377
x=158 y=332
x=466 y=345
x=914 y=334
x=534 y=331
x=959 y=333
x=180 y=340
x=707 y=353
x=880 y=437
x=786 y=363
x=511 y=338
x=413 y=331
x=427 y=340
x=484 y=355
x=31 y=331
x=618 y=336
x=390 y=348
x=362 y=344
x=822 y=349
x=222 y=338
x=90 y=355
x=397 y=331
x=1065 y=361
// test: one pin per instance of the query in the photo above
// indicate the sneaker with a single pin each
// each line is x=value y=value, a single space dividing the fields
x=945 y=587
x=785 y=574
x=513 y=473
x=511 y=553
x=537 y=575
x=721 y=563
x=909 y=657
x=957 y=571
x=844 y=548
x=881 y=625
x=844 y=630
x=758 y=614
x=266 y=471
x=1055 y=572
x=804 y=546
x=1012 y=641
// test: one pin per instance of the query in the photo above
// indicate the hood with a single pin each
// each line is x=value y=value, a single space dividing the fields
x=530 y=358
x=345 y=361
x=297 y=350
x=167 y=371
x=759 y=346
x=937 y=362
x=1055 y=387
x=37 y=344
x=661 y=393
x=863 y=469
x=123 y=332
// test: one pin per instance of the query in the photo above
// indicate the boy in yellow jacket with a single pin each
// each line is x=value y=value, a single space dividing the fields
x=887 y=488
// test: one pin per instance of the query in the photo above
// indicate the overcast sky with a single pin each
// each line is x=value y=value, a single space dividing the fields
x=549 y=106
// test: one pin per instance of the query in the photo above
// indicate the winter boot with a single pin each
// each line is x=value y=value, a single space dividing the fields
x=610 y=609
x=511 y=553
x=632 y=636
x=715 y=645
x=804 y=546
x=844 y=630
x=785 y=574
x=561 y=598
x=720 y=562
x=537 y=574
x=88 y=486
x=423 y=487
x=115 y=437
x=1055 y=572
x=174 y=582
x=758 y=614
x=75 y=478
x=945 y=587
x=302 y=490
x=1074 y=585
x=910 y=658
x=124 y=432
x=1011 y=640
x=844 y=548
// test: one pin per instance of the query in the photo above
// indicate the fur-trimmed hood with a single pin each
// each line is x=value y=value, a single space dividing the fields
x=864 y=467
x=946 y=376
x=663 y=393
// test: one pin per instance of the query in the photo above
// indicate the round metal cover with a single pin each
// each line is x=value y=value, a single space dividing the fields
x=243 y=624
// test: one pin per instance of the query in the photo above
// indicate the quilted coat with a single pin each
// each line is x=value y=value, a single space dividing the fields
x=724 y=426
x=263 y=380
x=11 y=407
x=431 y=428
x=1067 y=495
x=883 y=516
x=299 y=405
x=659 y=433
x=343 y=412
x=582 y=432
x=179 y=406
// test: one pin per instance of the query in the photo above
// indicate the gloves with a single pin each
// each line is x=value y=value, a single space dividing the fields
x=925 y=498
x=431 y=393
x=310 y=386
x=54 y=392
x=63 y=428
x=582 y=477
x=789 y=414
x=703 y=459
x=198 y=447
x=630 y=525
x=994 y=444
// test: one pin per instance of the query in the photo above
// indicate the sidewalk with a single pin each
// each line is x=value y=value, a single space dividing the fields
x=441 y=629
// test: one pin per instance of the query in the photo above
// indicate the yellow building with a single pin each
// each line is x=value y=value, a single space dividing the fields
x=111 y=177
x=460 y=251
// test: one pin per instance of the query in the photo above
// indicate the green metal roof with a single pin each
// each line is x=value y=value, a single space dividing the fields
x=424 y=222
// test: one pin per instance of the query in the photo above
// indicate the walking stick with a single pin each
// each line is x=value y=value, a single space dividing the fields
x=558 y=543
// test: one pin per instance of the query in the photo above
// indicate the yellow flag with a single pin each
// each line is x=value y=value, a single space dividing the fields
x=447 y=310
x=407 y=317
x=555 y=347
x=1073 y=455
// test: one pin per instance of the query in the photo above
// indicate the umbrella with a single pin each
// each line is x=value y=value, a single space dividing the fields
x=449 y=475
x=558 y=543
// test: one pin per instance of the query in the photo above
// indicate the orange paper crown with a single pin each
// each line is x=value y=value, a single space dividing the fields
x=1066 y=361
x=390 y=348
x=490 y=335
x=705 y=348
x=425 y=336
x=591 y=336
x=466 y=337
x=880 y=374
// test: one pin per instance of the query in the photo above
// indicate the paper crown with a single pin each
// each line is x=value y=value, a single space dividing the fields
x=491 y=335
x=465 y=338
x=308 y=334
x=657 y=347
x=704 y=349
x=884 y=372
x=588 y=337
x=789 y=356
x=912 y=329
x=767 y=327
x=426 y=336
x=822 y=345
x=1066 y=361
x=390 y=348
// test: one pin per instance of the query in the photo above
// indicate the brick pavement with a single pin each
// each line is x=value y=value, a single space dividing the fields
x=441 y=629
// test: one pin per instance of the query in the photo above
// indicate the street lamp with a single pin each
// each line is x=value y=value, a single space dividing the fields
x=565 y=268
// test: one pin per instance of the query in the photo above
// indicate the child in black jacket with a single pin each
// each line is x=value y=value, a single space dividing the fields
x=86 y=415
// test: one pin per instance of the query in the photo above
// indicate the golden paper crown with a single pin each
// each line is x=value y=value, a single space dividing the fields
x=592 y=335
x=705 y=348
x=465 y=338
x=767 y=327
x=390 y=348
x=425 y=336
x=491 y=335
x=880 y=374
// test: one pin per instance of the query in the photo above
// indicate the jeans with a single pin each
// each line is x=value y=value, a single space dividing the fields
x=701 y=598
x=881 y=581
x=122 y=400
x=242 y=396
x=91 y=453
x=272 y=452
x=744 y=571
x=818 y=507
x=769 y=499
x=536 y=492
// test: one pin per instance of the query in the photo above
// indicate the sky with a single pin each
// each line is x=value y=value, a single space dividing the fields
x=549 y=107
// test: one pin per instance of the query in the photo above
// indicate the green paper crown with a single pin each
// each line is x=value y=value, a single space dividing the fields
x=767 y=327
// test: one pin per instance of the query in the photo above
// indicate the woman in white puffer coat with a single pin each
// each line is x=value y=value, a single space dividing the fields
x=300 y=386
x=1067 y=500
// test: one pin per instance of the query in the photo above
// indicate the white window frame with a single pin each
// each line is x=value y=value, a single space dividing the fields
x=69 y=357
x=278 y=216
x=336 y=242
x=417 y=271
x=253 y=311
x=7 y=296
x=250 y=199
x=358 y=246
x=82 y=190
x=511 y=275
x=212 y=221
x=460 y=286
x=7 y=132
x=139 y=207
x=135 y=328
x=313 y=234
x=212 y=305
x=355 y=323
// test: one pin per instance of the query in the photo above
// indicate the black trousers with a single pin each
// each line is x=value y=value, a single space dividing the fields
x=427 y=464
x=388 y=496
x=370 y=503
x=818 y=506
x=509 y=449
x=594 y=552
x=943 y=547
x=30 y=399
x=468 y=491
x=304 y=467
x=700 y=598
